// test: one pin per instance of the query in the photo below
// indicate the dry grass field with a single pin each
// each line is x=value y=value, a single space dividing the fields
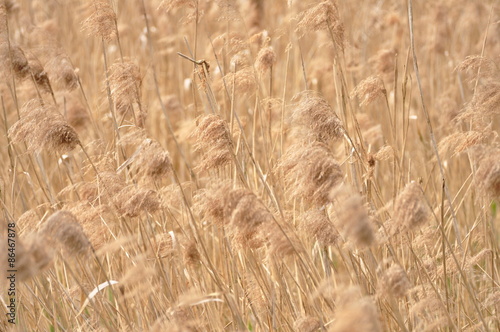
x=249 y=165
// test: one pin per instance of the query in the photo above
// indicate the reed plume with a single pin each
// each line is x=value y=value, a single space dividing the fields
x=324 y=16
x=214 y=140
x=102 y=20
x=311 y=173
x=316 y=118
x=353 y=218
x=266 y=58
x=411 y=209
x=63 y=228
x=369 y=90
x=41 y=126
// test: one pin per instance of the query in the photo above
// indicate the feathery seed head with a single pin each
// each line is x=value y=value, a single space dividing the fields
x=311 y=172
x=317 y=118
x=307 y=324
x=14 y=59
x=214 y=140
x=316 y=223
x=393 y=281
x=102 y=20
x=488 y=173
x=151 y=160
x=244 y=81
x=32 y=256
x=354 y=219
x=131 y=201
x=369 y=90
x=39 y=75
x=265 y=59
x=125 y=83
x=358 y=315
x=324 y=16
x=42 y=126
x=63 y=228
x=410 y=208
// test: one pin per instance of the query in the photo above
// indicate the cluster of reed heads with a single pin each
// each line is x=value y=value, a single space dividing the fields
x=197 y=165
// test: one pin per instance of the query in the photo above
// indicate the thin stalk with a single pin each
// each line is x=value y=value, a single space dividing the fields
x=429 y=124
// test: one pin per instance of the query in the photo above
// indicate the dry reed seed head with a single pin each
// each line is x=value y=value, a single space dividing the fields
x=369 y=90
x=473 y=63
x=245 y=210
x=266 y=58
x=131 y=201
x=62 y=72
x=32 y=256
x=76 y=115
x=354 y=220
x=484 y=104
x=244 y=82
x=316 y=224
x=214 y=140
x=384 y=62
x=282 y=241
x=61 y=137
x=411 y=209
x=151 y=160
x=357 y=316
x=323 y=17
x=310 y=172
x=255 y=295
x=487 y=175
x=109 y=184
x=92 y=218
x=39 y=74
x=307 y=324
x=63 y=228
x=14 y=59
x=209 y=203
x=163 y=245
x=41 y=126
x=461 y=141
x=27 y=222
x=190 y=254
x=102 y=20
x=384 y=153
x=393 y=281
x=317 y=118
x=169 y=5
x=125 y=82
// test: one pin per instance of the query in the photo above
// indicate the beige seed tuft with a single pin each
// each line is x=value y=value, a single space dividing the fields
x=410 y=209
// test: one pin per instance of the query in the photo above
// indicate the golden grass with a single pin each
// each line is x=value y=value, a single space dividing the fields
x=197 y=165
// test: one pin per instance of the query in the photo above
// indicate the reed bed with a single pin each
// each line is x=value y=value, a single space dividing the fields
x=230 y=165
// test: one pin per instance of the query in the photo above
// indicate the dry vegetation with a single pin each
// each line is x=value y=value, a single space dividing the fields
x=300 y=166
